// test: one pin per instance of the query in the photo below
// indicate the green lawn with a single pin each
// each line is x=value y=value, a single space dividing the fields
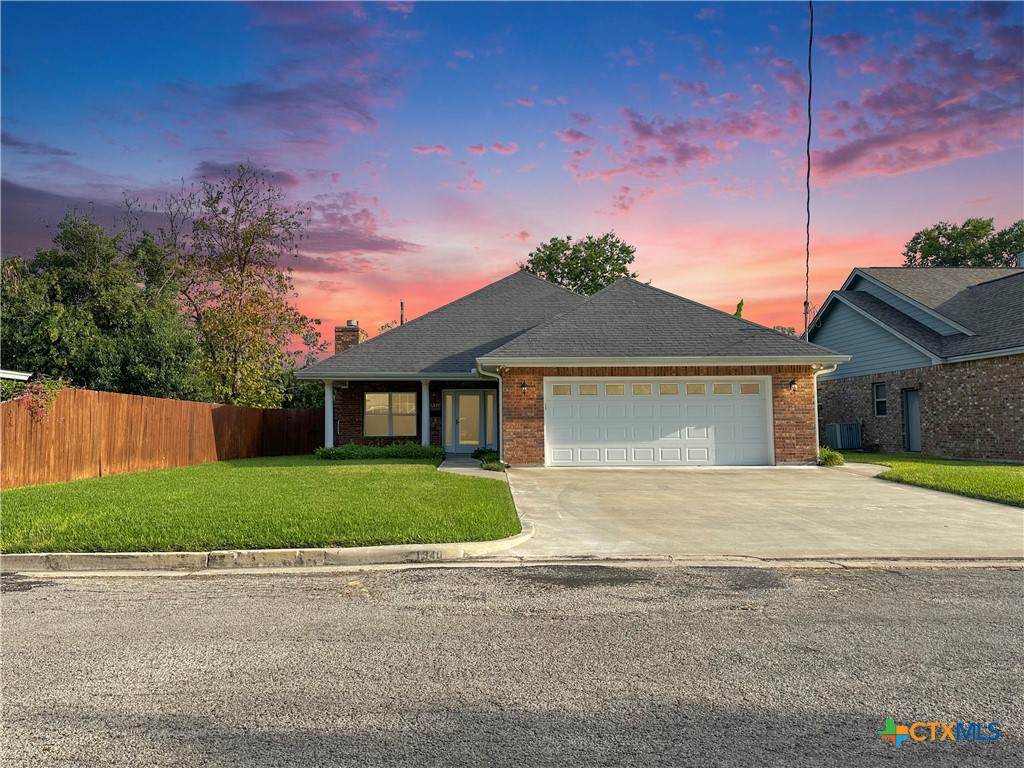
x=979 y=479
x=293 y=501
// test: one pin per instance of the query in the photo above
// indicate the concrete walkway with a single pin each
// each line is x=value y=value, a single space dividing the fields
x=467 y=465
x=765 y=513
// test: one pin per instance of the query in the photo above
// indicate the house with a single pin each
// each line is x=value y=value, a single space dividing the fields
x=937 y=360
x=632 y=375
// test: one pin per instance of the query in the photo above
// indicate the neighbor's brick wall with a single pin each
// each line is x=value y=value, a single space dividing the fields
x=795 y=440
x=969 y=410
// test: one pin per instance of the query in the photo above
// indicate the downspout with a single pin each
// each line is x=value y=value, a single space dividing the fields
x=817 y=426
x=501 y=424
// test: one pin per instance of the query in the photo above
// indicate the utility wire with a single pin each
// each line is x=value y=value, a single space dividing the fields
x=807 y=242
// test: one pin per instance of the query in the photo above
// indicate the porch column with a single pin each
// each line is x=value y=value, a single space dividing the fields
x=328 y=414
x=425 y=412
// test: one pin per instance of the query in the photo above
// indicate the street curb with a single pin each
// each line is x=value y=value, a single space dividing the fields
x=228 y=559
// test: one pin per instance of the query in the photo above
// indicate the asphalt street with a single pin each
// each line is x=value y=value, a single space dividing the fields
x=525 y=666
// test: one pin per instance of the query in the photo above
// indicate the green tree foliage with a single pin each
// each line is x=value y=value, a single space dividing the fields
x=229 y=237
x=585 y=265
x=789 y=330
x=739 y=309
x=99 y=311
x=975 y=243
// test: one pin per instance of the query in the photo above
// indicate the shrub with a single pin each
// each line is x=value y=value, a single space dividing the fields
x=37 y=395
x=352 y=452
x=493 y=466
x=829 y=458
x=486 y=454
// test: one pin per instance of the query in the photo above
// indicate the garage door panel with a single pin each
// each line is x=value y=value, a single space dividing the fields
x=659 y=421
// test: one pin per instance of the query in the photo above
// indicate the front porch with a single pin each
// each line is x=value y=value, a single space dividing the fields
x=459 y=414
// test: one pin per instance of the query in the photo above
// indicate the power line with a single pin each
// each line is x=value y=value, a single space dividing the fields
x=807 y=242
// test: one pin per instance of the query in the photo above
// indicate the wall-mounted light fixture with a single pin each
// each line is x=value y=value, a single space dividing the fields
x=523 y=387
x=792 y=385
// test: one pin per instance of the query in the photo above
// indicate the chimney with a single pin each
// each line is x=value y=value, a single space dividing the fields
x=347 y=336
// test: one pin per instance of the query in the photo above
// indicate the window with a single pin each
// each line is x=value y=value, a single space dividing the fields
x=879 y=395
x=750 y=388
x=561 y=390
x=642 y=389
x=387 y=414
x=668 y=389
x=696 y=389
x=722 y=389
x=615 y=389
x=588 y=389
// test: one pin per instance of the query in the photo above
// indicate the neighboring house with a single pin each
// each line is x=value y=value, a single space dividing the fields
x=937 y=360
x=632 y=375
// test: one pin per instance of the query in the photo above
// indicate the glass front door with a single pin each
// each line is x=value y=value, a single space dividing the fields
x=469 y=420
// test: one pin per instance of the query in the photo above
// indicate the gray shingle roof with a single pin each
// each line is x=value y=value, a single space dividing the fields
x=451 y=338
x=630 y=319
x=988 y=301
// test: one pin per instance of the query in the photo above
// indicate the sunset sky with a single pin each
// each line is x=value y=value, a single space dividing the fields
x=436 y=144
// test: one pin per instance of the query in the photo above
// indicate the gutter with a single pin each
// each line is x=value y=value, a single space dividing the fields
x=817 y=426
x=633 y=362
x=501 y=408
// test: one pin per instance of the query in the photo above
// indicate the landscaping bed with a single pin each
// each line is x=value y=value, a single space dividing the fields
x=1003 y=483
x=283 y=502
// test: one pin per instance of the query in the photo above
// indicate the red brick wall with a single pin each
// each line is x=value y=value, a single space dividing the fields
x=969 y=410
x=523 y=415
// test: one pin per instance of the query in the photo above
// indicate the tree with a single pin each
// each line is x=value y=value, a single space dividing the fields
x=228 y=237
x=789 y=330
x=975 y=243
x=585 y=266
x=99 y=312
x=739 y=309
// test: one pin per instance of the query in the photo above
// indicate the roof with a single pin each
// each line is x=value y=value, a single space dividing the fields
x=449 y=339
x=629 y=319
x=988 y=301
x=14 y=375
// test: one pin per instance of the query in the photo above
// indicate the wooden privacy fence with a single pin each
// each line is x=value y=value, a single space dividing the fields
x=93 y=434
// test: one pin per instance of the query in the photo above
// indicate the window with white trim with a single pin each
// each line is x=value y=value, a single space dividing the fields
x=878 y=392
x=389 y=414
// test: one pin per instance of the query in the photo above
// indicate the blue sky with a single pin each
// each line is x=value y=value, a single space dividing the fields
x=437 y=143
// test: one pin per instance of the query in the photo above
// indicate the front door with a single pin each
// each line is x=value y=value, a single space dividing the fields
x=912 y=419
x=469 y=420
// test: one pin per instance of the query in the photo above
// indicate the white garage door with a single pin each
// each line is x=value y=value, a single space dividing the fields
x=721 y=421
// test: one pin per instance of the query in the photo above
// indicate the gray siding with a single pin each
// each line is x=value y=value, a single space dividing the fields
x=873 y=348
x=895 y=300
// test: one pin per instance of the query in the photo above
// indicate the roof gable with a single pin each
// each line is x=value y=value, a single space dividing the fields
x=448 y=340
x=629 y=319
x=986 y=304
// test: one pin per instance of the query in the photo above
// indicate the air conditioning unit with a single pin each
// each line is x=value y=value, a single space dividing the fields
x=843 y=437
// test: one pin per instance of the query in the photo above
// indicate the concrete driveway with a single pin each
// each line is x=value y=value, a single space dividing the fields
x=776 y=512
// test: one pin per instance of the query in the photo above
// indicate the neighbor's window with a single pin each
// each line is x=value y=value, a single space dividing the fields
x=642 y=389
x=879 y=391
x=695 y=389
x=615 y=389
x=388 y=414
x=561 y=389
x=588 y=389
x=750 y=388
x=668 y=389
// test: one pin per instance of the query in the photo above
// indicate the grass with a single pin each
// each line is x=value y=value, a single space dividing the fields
x=292 y=501
x=1003 y=483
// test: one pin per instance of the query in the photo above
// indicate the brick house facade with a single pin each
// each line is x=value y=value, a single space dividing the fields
x=972 y=409
x=793 y=411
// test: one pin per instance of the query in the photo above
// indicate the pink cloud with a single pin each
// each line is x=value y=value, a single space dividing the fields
x=471 y=184
x=706 y=13
x=476 y=149
x=520 y=235
x=403 y=8
x=573 y=136
x=846 y=44
x=581 y=119
x=556 y=101
x=505 y=149
x=527 y=167
x=524 y=102
x=433 y=149
x=462 y=54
